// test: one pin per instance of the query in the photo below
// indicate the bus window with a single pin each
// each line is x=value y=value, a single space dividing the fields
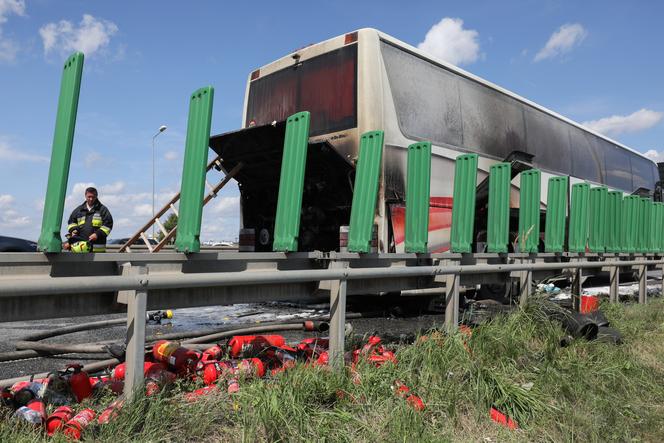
x=642 y=173
x=425 y=96
x=587 y=159
x=492 y=122
x=548 y=140
x=617 y=166
x=324 y=85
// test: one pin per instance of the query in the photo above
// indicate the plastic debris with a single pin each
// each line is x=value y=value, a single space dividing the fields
x=502 y=419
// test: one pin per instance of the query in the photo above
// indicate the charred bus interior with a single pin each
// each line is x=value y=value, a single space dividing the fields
x=328 y=185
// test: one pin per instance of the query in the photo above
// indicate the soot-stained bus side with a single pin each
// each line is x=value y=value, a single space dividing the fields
x=367 y=80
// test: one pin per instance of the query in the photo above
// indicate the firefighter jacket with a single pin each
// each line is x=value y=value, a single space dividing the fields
x=97 y=220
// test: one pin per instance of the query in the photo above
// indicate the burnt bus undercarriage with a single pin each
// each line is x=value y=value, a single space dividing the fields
x=328 y=185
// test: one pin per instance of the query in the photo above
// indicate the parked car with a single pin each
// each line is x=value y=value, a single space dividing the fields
x=13 y=244
x=222 y=243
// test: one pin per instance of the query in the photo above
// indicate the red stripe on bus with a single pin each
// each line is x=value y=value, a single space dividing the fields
x=440 y=217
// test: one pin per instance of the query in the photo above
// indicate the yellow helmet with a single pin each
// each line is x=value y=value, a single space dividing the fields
x=80 y=246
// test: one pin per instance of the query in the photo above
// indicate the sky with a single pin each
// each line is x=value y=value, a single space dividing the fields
x=596 y=62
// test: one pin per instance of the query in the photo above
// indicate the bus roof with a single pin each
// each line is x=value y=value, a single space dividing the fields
x=320 y=48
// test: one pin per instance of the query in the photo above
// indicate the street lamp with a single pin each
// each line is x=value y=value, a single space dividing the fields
x=162 y=128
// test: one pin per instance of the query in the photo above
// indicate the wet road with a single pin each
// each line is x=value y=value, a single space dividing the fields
x=186 y=320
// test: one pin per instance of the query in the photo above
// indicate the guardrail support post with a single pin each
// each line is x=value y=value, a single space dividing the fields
x=577 y=286
x=135 y=354
x=525 y=284
x=643 y=279
x=452 y=283
x=614 y=276
x=337 y=318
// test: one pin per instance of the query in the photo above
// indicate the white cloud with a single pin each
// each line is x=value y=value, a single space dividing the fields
x=144 y=210
x=171 y=155
x=9 y=153
x=225 y=206
x=90 y=36
x=8 y=47
x=618 y=124
x=449 y=41
x=6 y=200
x=113 y=188
x=562 y=41
x=9 y=217
x=8 y=7
x=654 y=155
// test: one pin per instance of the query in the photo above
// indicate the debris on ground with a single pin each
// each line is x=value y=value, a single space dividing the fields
x=221 y=366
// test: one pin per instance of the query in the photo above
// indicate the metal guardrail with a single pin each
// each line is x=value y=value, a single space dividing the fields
x=143 y=281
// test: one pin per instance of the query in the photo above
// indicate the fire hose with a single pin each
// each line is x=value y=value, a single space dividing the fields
x=41 y=348
x=29 y=346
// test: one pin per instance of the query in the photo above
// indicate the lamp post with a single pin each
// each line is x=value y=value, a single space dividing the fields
x=162 y=128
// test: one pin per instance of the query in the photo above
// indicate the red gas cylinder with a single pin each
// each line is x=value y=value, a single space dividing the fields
x=312 y=347
x=212 y=371
x=233 y=386
x=74 y=427
x=156 y=377
x=380 y=359
x=149 y=370
x=79 y=382
x=416 y=402
x=111 y=412
x=323 y=359
x=213 y=353
x=104 y=383
x=118 y=372
x=403 y=391
x=180 y=359
x=245 y=346
x=58 y=418
x=372 y=343
x=195 y=395
x=252 y=367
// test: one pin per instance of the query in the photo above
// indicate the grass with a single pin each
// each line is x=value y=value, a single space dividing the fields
x=588 y=391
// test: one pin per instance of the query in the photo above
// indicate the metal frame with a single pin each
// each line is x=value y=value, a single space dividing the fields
x=34 y=285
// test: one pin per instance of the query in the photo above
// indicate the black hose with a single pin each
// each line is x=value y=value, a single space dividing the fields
x=75 y=328
x=58 y=348
x=249 y=330
x=92 y=367
x=32 y=349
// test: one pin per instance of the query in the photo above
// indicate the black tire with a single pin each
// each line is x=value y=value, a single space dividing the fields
x=580 y=326
x=609 y=335
x=599 y=318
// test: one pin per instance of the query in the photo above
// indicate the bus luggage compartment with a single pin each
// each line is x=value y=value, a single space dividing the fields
x=328 y=185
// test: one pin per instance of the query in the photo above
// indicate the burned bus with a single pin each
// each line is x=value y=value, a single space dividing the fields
x=367 y=80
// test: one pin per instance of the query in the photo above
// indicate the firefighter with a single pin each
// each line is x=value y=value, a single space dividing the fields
x=89 y=225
